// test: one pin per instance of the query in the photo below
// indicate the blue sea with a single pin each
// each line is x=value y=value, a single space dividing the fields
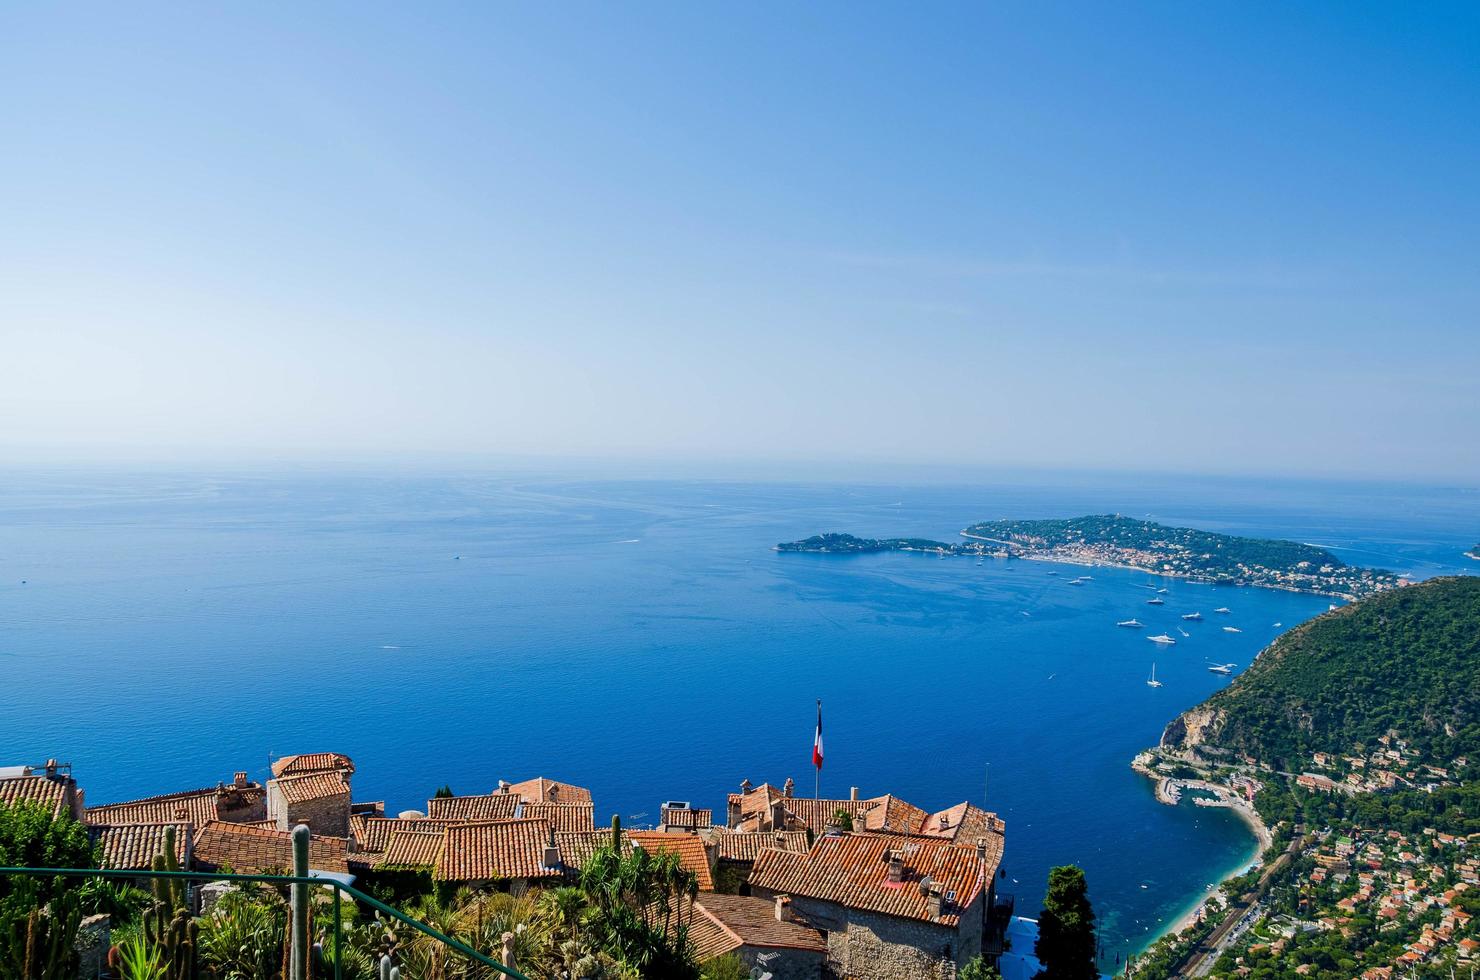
x=160 y=630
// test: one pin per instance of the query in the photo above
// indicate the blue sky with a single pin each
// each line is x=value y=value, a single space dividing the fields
x=1239 y=237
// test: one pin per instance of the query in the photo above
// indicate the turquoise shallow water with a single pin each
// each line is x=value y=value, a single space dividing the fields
x=641 y=638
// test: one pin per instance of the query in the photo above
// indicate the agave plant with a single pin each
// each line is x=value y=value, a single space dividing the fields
x=141 y=961
x=242 y=938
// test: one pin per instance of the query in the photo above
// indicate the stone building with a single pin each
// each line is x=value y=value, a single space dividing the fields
x=763 y=935
x=890 y=905
x=735 y=853
x=684 y=819
x=319 y=799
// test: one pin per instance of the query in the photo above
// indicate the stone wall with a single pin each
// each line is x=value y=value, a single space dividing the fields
x=327 y=816
x=867 y=946
x=784 y=964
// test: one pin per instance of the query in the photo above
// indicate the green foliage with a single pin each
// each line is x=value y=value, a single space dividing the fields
x=842 y=818
x=41 y=946
x=443 y=792
x=141 y=960
x=979 y=969
x=1407 y=660
x=31 y=837
x=848 y=544
x=242 y=938
x=731 y=968
x=1066 y=928
x=640 y=907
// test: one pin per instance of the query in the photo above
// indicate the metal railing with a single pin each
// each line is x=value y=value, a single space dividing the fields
x=341 y=890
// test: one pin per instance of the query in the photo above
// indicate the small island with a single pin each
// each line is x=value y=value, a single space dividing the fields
x=1110 y=539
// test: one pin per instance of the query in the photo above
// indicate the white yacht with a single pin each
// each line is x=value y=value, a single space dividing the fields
x=1162 y=639
x=1223 y=610
x=1232 y=629
x=1192 y=616
x=1134 y=624
x=1221 y=668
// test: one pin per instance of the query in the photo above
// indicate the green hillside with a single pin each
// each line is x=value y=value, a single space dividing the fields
x=1406 y=660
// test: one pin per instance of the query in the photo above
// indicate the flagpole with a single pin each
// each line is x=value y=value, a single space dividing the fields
x=817 y=769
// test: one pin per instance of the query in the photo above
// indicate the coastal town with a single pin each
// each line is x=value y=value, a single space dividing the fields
x=1114 y=540
x=1360 y=897
x=792 y=887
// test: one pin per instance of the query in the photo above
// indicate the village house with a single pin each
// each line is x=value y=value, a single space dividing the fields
x=762 y=935
x=890 y=905
x=491 y=806
x=240 y=801
x=319 y=799
x=735 y=853
x=53 y=787
x=680 y=818
x=514 y=854
x=250 y=849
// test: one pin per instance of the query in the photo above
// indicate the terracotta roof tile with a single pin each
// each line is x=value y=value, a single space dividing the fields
x=133 y=846
x=562 y=816
x=686 y=817
x=50 y=793
x=255 y=849
x=412 y=849
x=377 y=831
x=577 y=846
x=851 y=870
x=312 y=786
x=724 y=923
x=891 y=813
x=815 y=815
x=542 y=790
x=693 y=853
x=198 y=806
x=495 y=850
x=493 y=806
x=735 y=845
x=297 y=765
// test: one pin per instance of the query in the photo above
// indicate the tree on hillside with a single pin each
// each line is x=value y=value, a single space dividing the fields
x=1066 y=928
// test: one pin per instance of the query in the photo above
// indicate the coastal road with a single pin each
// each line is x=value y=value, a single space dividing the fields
x=1243 y=914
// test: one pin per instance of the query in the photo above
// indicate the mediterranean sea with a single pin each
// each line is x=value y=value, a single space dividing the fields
x=161 y=630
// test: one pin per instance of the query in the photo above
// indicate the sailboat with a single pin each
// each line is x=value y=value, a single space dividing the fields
x=1152 y=681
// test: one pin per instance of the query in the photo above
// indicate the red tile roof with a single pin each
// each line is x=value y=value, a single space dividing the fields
x=891 y=813
x=198 y=806
x=495 y=850
x=297 y=765
x=851 y=870
x=374 y=834
x=577 y=846
x=257 y=850
x=542 y=790
x=494 y=806
x=692 y=853
x=50 y=793
x=686 y=817
x=133 y=847
x=412 y=849
x=312 y=786
x=722 y=924
x=562 y=816
x=735 y=845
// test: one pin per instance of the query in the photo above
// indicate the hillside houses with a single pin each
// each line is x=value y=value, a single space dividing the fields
x=858 y=887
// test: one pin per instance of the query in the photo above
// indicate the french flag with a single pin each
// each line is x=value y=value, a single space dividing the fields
x=817 y=742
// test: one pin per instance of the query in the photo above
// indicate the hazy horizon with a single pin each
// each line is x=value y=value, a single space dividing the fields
x=1200 y=240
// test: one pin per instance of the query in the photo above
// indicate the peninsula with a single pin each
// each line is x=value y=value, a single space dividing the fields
x=1110 y=539
x=1352 y=744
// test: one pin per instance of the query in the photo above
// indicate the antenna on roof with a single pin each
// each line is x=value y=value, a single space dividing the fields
x=986 y=777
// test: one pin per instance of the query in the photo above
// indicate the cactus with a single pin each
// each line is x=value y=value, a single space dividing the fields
x=616 y=834
x=45 y=941
x=168 y=925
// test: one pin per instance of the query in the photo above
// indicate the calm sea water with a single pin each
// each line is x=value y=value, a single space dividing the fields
x=641 y=638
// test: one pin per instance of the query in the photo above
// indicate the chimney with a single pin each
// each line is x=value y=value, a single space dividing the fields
x=780 y=841
x=783 y=908
x=852 y=792
x=789 y=788
x=945 y=821
x=981 y=848
x=896 y=866
x=503 y=785
x=745 y=786
x=239 y=779
x=552 y=856
x=933 y=902
x=554 y=794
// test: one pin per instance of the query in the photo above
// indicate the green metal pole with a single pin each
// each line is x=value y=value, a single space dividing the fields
x=338 y=941
x=299 y=950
